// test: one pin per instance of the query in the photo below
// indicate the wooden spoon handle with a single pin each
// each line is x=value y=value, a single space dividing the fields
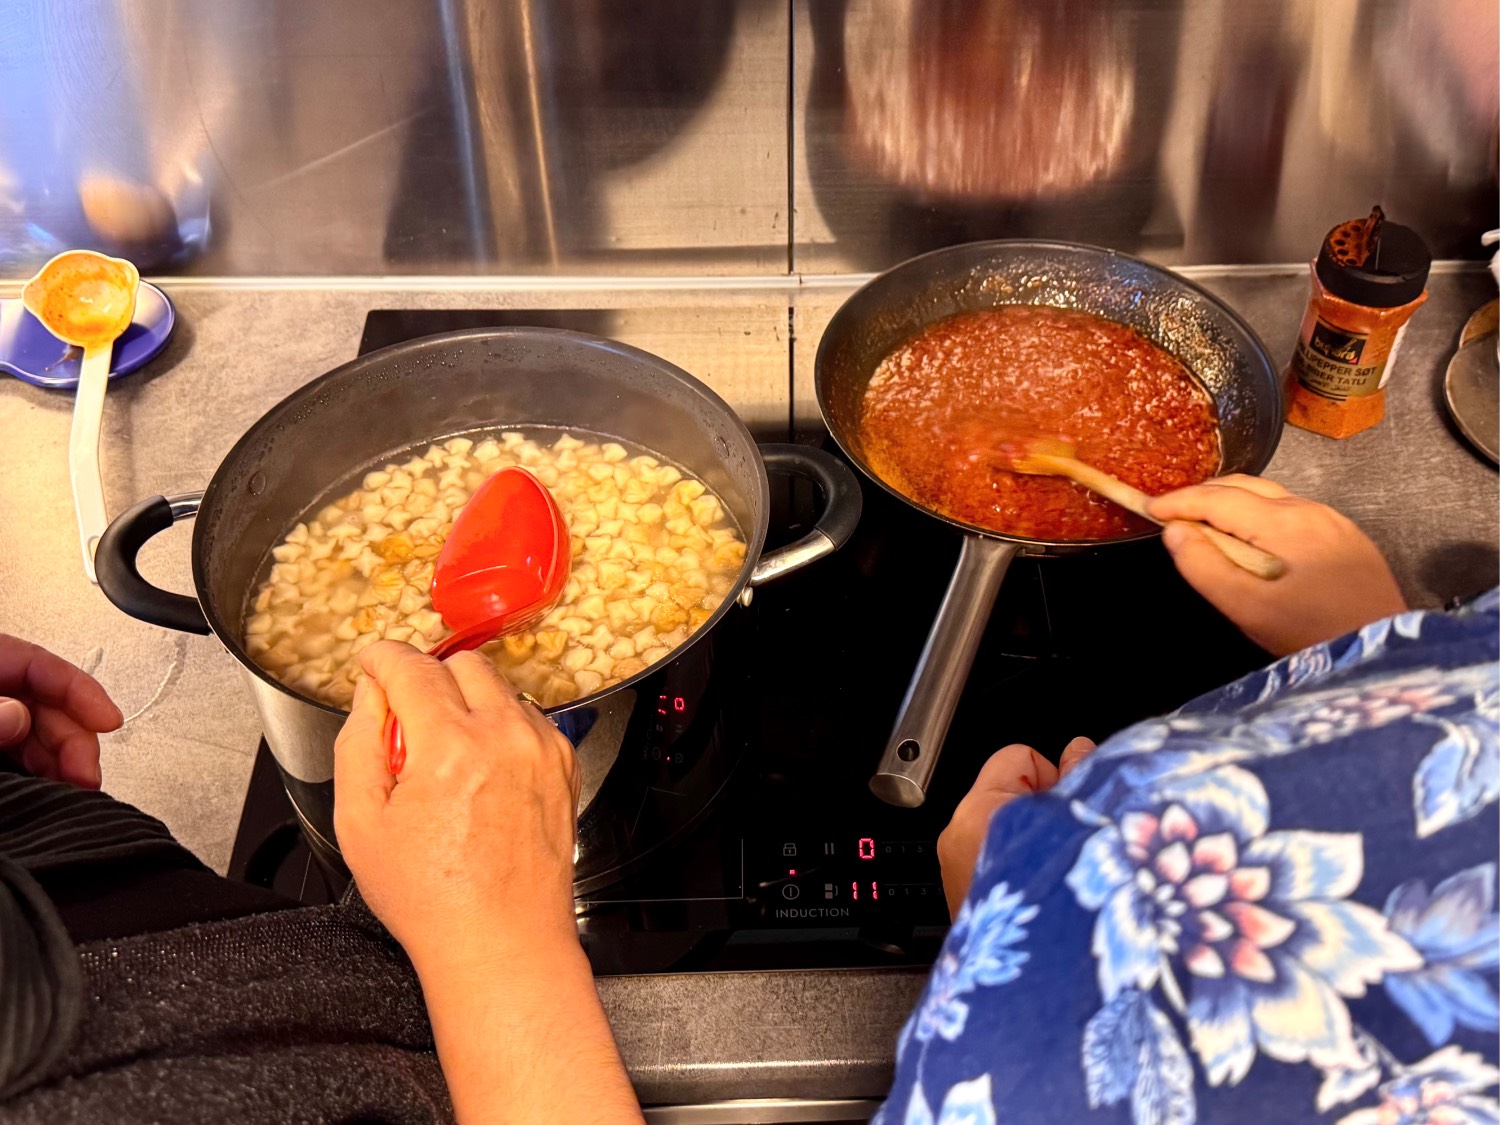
x=1244 y=555
x=1247 y=557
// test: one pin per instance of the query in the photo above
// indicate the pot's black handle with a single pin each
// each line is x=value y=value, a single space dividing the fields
x=842 y=503
x=121 y=581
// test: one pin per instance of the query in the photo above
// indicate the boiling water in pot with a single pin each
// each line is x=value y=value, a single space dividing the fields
x=654 y=554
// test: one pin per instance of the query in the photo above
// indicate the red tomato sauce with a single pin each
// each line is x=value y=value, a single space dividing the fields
x=935 y=405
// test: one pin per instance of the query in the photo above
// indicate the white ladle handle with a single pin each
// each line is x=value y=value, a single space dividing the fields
x=83 y=452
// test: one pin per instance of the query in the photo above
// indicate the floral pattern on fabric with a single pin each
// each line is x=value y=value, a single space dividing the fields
x=1457 y=932
x=966 y=1103
x=1254 y=897
x=1443 y=1089
x=1249 y=932
x=1466 y=699
x=980 y=951
x=1461 y=774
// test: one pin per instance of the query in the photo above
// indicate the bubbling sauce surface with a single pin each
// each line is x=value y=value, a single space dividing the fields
x=932 y=410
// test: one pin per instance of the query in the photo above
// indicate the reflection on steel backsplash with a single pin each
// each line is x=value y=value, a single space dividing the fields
x=996 y=99
x=78 y=163
x=354 y=136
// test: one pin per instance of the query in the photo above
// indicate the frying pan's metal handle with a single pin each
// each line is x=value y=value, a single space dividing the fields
x=842 y=504
x=922 y=723
x=121 y=580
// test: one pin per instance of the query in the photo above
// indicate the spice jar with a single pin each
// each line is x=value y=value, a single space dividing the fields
x=1368 y=279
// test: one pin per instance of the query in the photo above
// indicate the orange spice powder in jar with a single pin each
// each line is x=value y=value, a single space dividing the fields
x=1368 y=279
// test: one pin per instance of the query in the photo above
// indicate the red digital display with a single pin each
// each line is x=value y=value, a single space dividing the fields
x=866 y=848
x=874 y=891
x=676 y=702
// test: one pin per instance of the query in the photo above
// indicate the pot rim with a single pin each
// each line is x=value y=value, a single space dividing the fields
x=755 y=537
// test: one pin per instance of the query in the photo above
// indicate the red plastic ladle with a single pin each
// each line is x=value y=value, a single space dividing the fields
x=501 y=569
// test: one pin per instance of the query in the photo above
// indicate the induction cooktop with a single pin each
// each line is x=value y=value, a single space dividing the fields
x=798 y=865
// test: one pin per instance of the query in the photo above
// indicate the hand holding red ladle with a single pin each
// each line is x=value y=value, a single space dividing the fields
x=501 y=569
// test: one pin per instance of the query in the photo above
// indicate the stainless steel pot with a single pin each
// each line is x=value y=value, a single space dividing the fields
x=1213 y=342
x=488 y=379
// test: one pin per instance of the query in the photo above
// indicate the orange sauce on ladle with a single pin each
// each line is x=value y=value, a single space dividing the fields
x=84 y=298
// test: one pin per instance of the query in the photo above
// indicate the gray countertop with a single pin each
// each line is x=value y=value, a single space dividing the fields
x=186 y=750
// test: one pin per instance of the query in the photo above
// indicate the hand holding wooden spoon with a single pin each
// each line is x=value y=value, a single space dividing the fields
x=1045 y=457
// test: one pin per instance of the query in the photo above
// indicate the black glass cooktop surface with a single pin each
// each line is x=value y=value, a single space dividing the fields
x=798 y=865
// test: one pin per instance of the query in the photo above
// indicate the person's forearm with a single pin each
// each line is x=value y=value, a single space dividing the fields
x=522 y=1037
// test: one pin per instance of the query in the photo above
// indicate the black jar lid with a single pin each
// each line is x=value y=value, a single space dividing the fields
x=1394 y=274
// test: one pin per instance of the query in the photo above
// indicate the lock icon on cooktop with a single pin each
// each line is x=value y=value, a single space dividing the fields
x=789 y=851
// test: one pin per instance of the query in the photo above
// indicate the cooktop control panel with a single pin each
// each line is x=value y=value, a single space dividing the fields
x=845 y=879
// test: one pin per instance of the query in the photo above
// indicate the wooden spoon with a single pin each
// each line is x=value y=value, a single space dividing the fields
x=1043 y=457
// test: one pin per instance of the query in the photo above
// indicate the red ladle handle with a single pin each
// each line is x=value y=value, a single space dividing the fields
x=462 y=641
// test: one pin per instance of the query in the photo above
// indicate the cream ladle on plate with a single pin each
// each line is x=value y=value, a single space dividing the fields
x=86 y=299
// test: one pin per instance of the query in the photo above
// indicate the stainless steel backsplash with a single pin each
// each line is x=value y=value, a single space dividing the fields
x=730 y=138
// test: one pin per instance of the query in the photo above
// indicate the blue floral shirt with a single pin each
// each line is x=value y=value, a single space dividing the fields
x=1276 y=905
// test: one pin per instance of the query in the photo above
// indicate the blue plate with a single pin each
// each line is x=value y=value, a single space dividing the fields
x=28 y=351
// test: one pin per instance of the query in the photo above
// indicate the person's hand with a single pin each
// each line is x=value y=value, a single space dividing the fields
x=1010 y=773
x=473 y=844
x=1336 y=579
x=52 y=713
x=467 y=857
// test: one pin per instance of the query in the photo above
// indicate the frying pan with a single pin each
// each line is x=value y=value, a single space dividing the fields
x=1212 y=341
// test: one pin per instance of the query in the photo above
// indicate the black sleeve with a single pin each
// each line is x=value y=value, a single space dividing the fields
x=40 y=981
